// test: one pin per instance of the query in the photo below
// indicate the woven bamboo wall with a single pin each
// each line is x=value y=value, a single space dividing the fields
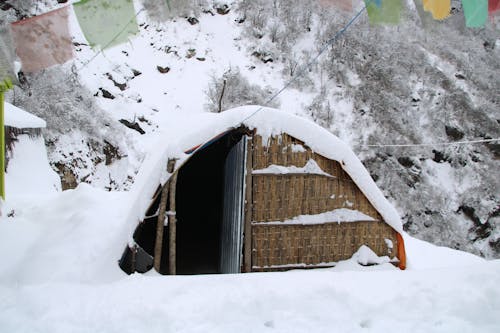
x=280 y=197
x=278 y=247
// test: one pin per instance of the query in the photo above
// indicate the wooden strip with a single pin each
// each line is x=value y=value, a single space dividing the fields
x=247 y=238
x=159 y=228
x=172 y=226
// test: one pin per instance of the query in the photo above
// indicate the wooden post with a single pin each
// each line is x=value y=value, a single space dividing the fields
x=247 y=251
x=5 y=85
x=172 y=225
x=2 y=146
x=159 y=228
x=161 y=219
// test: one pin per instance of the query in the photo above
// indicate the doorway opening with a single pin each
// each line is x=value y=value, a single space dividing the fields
x=203 y=200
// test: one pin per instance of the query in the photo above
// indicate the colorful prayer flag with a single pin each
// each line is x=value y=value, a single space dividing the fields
x=493 y=6
x=106 y=23
x=425 y=17
x=340 y=4
x=43 y=41
x=388 y=13
x=7 y=56
x=440 y=9
x=475 y=12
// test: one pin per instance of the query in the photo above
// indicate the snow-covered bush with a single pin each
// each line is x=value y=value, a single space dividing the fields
x=233 y=89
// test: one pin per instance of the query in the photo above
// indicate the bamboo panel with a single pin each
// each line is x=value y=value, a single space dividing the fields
x=282 y=197
x=285 y=196
x=285 y=246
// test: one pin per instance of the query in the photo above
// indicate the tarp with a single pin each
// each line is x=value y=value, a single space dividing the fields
x=43 y=41
x=388 y=13
x=345 y=5
x=106 y=23
x=475 y=12
x=7 y=55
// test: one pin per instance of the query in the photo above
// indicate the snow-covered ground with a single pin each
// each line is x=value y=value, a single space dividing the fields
x=59 y=273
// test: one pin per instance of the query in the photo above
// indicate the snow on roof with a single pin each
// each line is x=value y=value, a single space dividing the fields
x=16 y=117
x=187 y=131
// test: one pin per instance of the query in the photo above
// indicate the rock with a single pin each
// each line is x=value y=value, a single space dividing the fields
x=121 y=86
x=222 y=9
x=132 y=125
x=454 y=133
x=106 y=94
x=439 y=156
x=163 y=70
x=190 y=53
x=68 y=177
x=405 y=161
x=263 y=56
x=193 y=20
x=111 y=152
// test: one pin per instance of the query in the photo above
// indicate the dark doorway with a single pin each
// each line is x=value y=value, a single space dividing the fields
x=200 y=207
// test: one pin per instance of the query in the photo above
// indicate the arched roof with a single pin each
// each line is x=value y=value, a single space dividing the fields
x=197 y=129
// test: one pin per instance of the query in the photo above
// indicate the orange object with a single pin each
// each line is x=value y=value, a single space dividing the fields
x=401 y=252
x=440 y=9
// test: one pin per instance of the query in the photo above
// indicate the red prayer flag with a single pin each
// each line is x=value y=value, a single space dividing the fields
x=493 y=6
x=43 y=41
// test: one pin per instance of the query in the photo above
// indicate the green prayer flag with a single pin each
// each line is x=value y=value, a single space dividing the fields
x=7 y=56
x=106 y=23
x=475 y=12
x=388 y=13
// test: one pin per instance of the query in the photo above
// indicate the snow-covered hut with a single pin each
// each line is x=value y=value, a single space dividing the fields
x=259 y=191
x=28 y=172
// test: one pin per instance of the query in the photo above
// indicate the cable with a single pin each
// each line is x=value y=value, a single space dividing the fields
x=310 y=63
x=434 y=144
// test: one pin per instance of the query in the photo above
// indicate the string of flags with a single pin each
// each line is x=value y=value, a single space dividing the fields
x=43 y=41
x=388 y=12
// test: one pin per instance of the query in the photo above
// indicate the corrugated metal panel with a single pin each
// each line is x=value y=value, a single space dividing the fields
x=233 y=216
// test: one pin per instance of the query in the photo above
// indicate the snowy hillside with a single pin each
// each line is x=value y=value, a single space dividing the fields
x=438 y=85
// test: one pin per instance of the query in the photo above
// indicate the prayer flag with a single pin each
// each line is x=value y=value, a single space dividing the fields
x=475 y=12
x=425 y=17
x=106 y=23
x=43 y=41
x=388 y=13
x=7 y=56
x=493 y=6
x=341 y=4
x=440 y=9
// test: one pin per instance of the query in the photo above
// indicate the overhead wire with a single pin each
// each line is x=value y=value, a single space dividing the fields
x=434 y=144
x=305 y=67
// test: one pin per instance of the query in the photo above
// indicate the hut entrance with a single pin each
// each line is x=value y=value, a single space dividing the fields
x=209 y=207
